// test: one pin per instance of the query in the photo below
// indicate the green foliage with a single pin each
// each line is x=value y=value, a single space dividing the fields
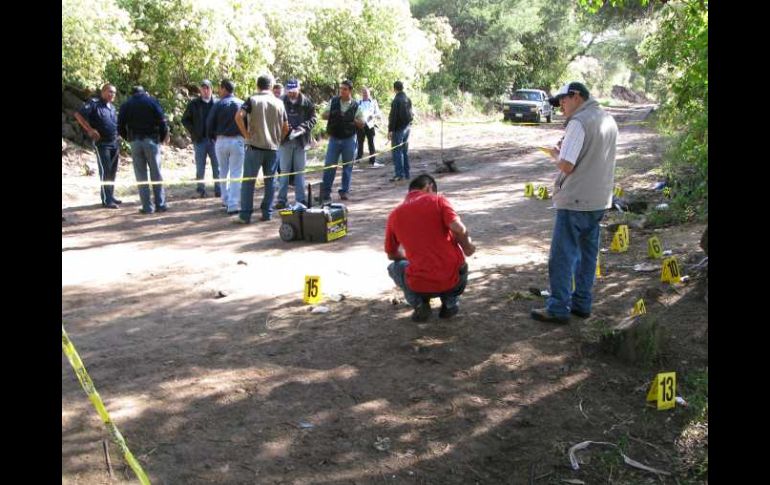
x=678 y=52
x=92 y=38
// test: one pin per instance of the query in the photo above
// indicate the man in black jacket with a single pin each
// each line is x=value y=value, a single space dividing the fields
x=399 y=124
x=142 y=122
x=194 y=120
x=293 y=150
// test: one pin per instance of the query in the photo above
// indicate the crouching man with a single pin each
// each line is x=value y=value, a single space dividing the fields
x=428 y=243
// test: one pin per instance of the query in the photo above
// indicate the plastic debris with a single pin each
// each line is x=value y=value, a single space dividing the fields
x=320 y=309
x=680 y=400
x=668 y=252
x=585 y=444
x=338 y=297
x=660 y=185
x=574 y=481
x=661 y=207
x=646 y=267
x=382 y=444
x=305 y=425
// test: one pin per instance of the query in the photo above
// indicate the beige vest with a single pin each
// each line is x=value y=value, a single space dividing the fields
x=265 y=121
x=589 y=186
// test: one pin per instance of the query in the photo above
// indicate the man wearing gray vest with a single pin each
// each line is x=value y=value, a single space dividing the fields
x=582 y=193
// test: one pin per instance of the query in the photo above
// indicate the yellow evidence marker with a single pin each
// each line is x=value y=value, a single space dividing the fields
x=639 y=308
x=529 y=190
x=654 y=249
x=670 y=272
x=663 y=390
x=312 y=293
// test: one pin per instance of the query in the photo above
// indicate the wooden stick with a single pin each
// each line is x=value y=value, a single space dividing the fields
x=105 y=448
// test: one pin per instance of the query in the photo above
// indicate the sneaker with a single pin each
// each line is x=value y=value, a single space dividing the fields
x=279 y=205
x=376 y=165
x=421 y=313
x=543 y=315
x=396 y=179
x=217 y=193
x=344 y=196
x=232 y=213
x=580 y=314
x=202 y=194
x=448 y=312
x=116 y=201
x=146 y=211
x=264 y=219
x=239 y=221
x=162 y=208
x=111 y=205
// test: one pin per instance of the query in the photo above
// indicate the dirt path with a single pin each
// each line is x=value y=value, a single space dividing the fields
x=252 y=388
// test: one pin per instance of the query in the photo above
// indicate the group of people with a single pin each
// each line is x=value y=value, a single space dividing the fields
x=428 y=242
x=424 y=237
x=270 y=131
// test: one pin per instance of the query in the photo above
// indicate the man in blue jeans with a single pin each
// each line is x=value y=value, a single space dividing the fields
x=345 y=116
x=142 y=122
x=194 y=121
x=100 y=122
x=300 y=111
x=582 y=193
x=428 y=243
x=399 y=126
x=267 y=126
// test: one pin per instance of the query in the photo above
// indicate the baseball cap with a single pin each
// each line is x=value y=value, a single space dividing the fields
x=292 y=85
x=568 y=88
x=207 y=83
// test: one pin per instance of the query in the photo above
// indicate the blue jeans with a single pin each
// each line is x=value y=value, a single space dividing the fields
x=257 y=158
x=400 y=155
x=230 y=154
x=146 y=153
x=338 y=146
x=203 y=148
x=107 y=158
x=292 y=158
x=574 y=248
x=449 y=299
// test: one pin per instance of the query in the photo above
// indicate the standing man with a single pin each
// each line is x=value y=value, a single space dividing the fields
x=100 y=122
x=372 y=114
x=267 y=126
x=293 y=151
x=426 y=240
x=399 y=124
x=142 y=122
x=582 y=194
x=344 y=115
x=194 y=121
x=229 y=147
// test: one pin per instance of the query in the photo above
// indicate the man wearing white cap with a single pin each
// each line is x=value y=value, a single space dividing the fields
x=293 y=150
x=582 y=194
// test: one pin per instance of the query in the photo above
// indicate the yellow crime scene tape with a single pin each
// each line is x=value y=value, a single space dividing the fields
x=88 y=387
x=242 y=179
x=306 y=171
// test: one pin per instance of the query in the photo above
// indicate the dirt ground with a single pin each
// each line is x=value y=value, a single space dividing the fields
x=251 y=387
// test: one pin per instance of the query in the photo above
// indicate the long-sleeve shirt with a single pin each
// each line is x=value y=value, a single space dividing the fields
x=221 y=119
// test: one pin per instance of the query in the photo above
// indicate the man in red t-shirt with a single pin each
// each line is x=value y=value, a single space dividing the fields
x=426 y=240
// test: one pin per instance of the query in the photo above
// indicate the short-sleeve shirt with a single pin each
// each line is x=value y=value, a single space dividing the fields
x=572 y=142
x=266 y=116
x=102 y=117
x=421 y=225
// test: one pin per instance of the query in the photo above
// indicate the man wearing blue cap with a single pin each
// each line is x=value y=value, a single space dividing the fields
x=292 y=153
x=582 y=193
